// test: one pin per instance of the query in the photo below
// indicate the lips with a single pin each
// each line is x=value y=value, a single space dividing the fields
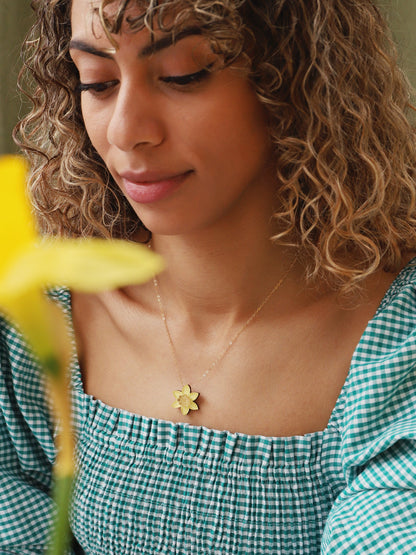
x=151 y=186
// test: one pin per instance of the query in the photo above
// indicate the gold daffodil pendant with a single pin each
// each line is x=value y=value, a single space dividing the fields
x=185 y=399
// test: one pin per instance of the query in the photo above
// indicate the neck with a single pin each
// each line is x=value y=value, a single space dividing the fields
x=220 y=274
x=224 y=270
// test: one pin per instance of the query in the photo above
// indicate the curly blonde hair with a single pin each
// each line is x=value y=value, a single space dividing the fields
x=338 y=106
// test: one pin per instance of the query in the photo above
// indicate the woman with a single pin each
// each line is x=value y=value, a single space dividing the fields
x=258 y=396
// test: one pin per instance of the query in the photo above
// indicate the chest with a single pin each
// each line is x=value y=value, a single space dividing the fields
x=278 y=380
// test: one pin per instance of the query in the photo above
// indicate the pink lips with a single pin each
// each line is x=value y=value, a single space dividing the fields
x=151 y=186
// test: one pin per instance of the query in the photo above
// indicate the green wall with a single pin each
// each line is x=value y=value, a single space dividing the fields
x=15 y=20
x=402 y=19
x=14 y=23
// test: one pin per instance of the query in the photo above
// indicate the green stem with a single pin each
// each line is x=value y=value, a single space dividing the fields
x=61 y=532
x=64 y=467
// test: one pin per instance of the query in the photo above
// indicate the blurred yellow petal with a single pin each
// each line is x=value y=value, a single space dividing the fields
x=82 y=264
x=26 y=268
x=17 y=227
x=43 y=324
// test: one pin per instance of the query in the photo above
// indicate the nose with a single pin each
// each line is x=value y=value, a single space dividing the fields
x=135 y=119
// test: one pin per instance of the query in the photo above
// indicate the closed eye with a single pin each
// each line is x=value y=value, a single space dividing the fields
x=189 y=78
x=96 y=87
x=177 y=80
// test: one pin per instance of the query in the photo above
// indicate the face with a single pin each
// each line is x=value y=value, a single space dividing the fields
x=185 y=139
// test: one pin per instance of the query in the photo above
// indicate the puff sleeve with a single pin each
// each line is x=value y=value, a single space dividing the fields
x=376 y=512
x=27 y=449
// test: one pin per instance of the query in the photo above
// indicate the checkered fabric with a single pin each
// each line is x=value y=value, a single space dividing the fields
x=376 y=512
x=26 y=449
x=147 y=486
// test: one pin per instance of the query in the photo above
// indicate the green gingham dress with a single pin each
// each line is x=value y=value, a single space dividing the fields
x=147 y=486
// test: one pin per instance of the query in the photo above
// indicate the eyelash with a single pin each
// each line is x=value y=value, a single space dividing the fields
x=176 y=80
x=96 y=87
x=189 y=79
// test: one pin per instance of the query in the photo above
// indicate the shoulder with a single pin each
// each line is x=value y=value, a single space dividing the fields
x=398 y=306
x=27 y=448
x=381 y=387
x=25 y=422
x=391 y=331
x=375 y=512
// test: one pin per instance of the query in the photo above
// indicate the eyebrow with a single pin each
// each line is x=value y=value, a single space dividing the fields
x=147 y=50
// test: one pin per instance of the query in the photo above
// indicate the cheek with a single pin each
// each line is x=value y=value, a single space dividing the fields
x=249 y=120
x=235 y=131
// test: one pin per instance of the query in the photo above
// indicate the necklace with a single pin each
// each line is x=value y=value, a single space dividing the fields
x=185 y=398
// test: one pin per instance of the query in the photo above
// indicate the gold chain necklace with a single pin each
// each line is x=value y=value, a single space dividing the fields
x=185 y=398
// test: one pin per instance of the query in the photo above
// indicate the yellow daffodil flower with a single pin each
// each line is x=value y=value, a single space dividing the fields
x=185 y=400
x=28 y=265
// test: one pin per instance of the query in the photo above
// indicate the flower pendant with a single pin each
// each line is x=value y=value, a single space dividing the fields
x=185 y=399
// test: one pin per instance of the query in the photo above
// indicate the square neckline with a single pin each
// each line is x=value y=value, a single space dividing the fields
x=63 y=296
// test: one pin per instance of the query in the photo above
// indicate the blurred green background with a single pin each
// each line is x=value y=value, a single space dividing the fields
x=15 y=18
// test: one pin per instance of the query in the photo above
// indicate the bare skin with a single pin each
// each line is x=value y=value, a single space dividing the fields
x=281 y=378
x=285 y=372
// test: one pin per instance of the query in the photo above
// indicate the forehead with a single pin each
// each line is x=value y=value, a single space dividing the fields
x=85 y=14
x=88 y=10
x=112 y=6
x=84 y=18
